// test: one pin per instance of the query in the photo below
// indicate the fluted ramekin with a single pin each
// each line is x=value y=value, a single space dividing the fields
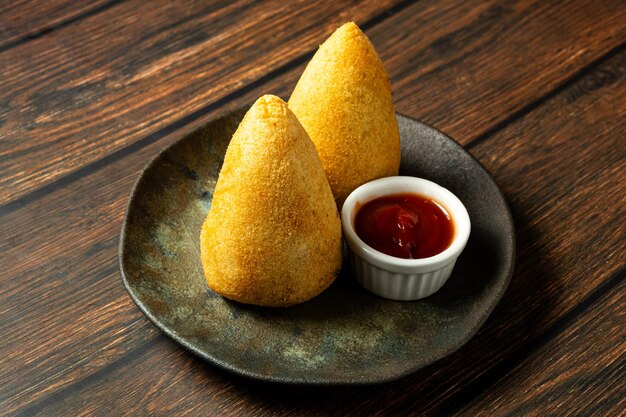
x=398 y=278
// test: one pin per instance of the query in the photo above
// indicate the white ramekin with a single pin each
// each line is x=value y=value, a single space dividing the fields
x=398 y=278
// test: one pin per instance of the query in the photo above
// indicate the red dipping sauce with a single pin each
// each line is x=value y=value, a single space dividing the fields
x=407 y=226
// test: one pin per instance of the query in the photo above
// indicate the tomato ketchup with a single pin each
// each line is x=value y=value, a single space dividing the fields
x=407 y=226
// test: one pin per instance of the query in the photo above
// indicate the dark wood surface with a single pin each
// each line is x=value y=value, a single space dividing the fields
x=89 y=92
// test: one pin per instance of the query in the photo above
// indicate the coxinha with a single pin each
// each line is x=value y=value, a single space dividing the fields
x=273 y=236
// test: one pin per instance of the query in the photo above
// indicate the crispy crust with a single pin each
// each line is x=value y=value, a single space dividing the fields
x=273 y=235
x=343 y=100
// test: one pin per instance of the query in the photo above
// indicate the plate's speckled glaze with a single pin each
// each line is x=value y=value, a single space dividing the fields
x=344 y=336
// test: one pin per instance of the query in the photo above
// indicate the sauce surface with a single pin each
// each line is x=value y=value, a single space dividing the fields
x=407 y=226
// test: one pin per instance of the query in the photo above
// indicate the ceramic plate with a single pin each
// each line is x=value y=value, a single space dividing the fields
x=345 y=335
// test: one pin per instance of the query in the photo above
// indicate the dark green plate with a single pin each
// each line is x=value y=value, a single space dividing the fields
x=344 y=336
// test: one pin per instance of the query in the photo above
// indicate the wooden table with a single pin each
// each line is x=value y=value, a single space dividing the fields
x=90 y=91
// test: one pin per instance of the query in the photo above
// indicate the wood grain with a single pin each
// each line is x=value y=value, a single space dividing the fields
x=581 y=371
x=495 y=60
x=63 y=281
x=64 y=255
x=23 y=20
x=72 y=342
x=102 y=97
x=115 y=77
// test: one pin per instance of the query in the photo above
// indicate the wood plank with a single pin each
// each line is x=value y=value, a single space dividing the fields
x=562 y=168
x=104 y=82
x=435 y=51
x=582 y=371
x=27 y=19
x=477 y=71
x=554 y=196
x=61 y=294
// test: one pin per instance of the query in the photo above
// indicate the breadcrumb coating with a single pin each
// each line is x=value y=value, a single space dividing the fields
x=343 y=100
x=272 y=236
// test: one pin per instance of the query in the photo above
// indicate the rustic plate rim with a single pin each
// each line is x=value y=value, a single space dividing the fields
x=504 y=283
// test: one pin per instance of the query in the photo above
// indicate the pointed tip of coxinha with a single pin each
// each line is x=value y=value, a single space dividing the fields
x=349 y=27
x=267 y=107
x=349 y=45
x=350 y=40
x=272 y=236
x=348 y=31
x=343 y=100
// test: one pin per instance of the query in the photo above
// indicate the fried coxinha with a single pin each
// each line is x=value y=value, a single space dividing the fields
x=272 y=236
x=343 y=100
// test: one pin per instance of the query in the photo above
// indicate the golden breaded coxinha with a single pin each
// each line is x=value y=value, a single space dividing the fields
x=272 y=236
x=343 y=100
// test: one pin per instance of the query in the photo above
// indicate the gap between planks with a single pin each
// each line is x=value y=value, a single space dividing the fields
x=462 y=398
x=541 y=100
x=466 y=394
x=456 y=402
x=94 y=166
x=41 y=32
